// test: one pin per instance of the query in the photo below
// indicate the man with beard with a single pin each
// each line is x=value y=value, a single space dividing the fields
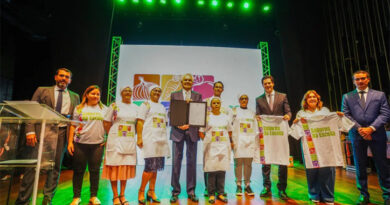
x=63 y=101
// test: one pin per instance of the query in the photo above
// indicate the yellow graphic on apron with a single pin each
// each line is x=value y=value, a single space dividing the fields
x=158 y=122
x=217 y=136
x=125 y=131
x=246 y=128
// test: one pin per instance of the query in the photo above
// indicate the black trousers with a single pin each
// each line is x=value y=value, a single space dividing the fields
x=84 y=154
x=282 y=174
x=216 y=182
x=26 y=187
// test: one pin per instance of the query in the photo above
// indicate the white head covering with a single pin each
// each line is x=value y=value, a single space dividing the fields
x=241 y=94
x=153 y=87
x=124 y=87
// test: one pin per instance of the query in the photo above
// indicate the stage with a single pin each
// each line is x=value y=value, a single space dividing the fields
x=345 y=190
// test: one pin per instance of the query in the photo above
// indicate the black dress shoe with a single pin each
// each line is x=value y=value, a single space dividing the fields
x=193 y=198
x=266 y=192
x=222 y=198
x=283 y=195
x=173 y=199
x=363 y=200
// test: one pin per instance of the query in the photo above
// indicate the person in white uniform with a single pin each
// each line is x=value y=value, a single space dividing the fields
x=320 y=181
x=218 y=89
x=151 y=129
x=121 y=153
x=217 y=142
x=245 y=139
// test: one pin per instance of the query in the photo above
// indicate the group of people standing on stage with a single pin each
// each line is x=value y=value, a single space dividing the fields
x=364 y=113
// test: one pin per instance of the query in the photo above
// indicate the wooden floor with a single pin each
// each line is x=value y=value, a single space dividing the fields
x=345 y=191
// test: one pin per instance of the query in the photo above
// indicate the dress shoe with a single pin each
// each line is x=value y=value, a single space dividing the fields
x=94 y=201
x=123 y=200
x=248 y=191
x=173 y=198
x=266 y=192
x=152 y=196
x=363 y=200
x=239 y=190
x=283 y=195
x=212 y=199
x=46 y=201
x=222 y=198
x=76 y=201
x=193 y=198
x=141 y=197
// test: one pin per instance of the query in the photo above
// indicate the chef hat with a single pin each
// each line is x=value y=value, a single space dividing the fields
x=124 y=87
x=153 y=87
x=241 y=94
x=215 y=97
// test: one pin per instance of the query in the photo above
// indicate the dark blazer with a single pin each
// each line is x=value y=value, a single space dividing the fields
x=376 y=113
x=177 y=134
x=45 y=95
x=281 y=106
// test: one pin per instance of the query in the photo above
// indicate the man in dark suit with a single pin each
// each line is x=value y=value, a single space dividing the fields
x=188 y=135
x=273 y=103
x=370 y=111
x=63 y=101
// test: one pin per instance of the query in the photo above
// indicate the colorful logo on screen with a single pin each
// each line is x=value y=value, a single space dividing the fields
x=169 y=83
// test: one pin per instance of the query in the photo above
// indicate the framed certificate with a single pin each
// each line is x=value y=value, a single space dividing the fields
x=192 y=113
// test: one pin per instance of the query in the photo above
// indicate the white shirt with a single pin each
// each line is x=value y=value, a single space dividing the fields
x=322 y=148
x=272 y=96
x=65 y=100
x=185 y=94
x=365 y=93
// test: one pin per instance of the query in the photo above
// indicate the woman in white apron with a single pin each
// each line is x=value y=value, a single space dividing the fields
x=151 y=129
x=121 y=153
x=320 y=181
x=246 y=143
x=216 y=150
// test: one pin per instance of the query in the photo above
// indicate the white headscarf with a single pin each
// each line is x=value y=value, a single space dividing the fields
x=153 y=87
x=124 y=87
x=241 y=94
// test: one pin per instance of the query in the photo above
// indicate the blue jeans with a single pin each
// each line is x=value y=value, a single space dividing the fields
x=320 y=183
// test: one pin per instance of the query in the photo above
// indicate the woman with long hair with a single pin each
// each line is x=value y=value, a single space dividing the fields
x=86 y=142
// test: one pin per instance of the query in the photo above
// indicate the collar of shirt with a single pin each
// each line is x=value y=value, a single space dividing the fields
x=185 y=93
x=365 y=90
x=272 y=93
x=56 y=88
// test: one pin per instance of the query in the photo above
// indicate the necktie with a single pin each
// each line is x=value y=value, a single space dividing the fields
x=271 y=103
x=362 y=99
x=188 y=95
x=59 y=101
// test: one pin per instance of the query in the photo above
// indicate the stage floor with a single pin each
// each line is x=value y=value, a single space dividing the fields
x=345 y=190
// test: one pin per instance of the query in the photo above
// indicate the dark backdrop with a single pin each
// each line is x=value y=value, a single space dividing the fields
x=39 y=36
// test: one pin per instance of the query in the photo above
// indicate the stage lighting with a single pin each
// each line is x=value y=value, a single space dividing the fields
x=230 y=4
x=200 y=2
x=178 y=1
x=163 y=1
x=135 y=1
x=214 y=3
x=149 y=1
x=266 y=8
x=121 y=1
x=246 y=5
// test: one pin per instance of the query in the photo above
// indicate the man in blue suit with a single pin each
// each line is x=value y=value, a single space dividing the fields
x=181 y=135
x=370 y=111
